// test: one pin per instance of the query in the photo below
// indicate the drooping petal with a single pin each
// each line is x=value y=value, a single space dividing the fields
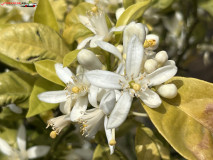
x=150 y=98
x=65 y=107
x=37 y=151
x=109 y=48
x=92 y=96
x=105 y=79
x=5 y=148
x=161 y=75
x=120 y=111
x=15 y=108
x=53 y=96
x=108 y=102
x=21 y=138
x=133 y=29
x=134 y=57
x=64 y=73
x=83 y=43
x=79 y=108
x=108 y=135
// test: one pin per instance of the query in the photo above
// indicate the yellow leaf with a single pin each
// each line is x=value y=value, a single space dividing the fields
x=186 y=121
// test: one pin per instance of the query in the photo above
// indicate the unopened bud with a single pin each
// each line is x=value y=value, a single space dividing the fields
x=89 y=60
x=150 y=65
x=167 y=91
x=161 y=57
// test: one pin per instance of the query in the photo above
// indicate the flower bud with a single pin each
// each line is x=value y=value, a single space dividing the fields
x=89 y=60
x=150 y=65
x=167 y=91
x=161 y=57
x=151 y=42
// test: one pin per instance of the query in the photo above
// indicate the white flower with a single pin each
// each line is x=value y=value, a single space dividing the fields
x=96 y=22
x=95 y=118
x=22 y=153
x=133 y=82
x=76 y=91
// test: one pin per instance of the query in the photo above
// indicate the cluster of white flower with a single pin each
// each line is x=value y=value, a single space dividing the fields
x=140 y=73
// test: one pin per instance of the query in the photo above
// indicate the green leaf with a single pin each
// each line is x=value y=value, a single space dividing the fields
x=81 y=9
x=9 y=135
x=147 y=146
x=103 y=153
x=76 y=32
x=127 y=3
x=162 y=4
x=70 y=58
x=133 y=12
x=27 y=67
x=44 y=14
x=186 y=121
x=29 y=42
x=207 y=5
x=37 y=106
x=46 y=69
x=16 y=87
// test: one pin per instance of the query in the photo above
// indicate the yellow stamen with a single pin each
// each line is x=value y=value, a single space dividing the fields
x=94 y=9
x=53 y=134
x=136 y=86
x=75 y=90
x=149 y=43
x=84 y=125
x=112 y=142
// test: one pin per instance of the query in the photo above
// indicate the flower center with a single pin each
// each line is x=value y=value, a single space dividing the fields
x=134 y=85
x=76 y=89
x=149 y=43
x=94 y=9
x=53 y=134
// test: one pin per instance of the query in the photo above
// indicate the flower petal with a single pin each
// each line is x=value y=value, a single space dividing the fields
x=133 y=29
x=120 y=69
x=92 y=96
x=108 y=135
x=150 y=98
x=65 y=107
x=119 y=12
x=94 y=40
x=79 y=108
x=108 y=102
x=109 y=48
x=117 y=29
x=86 y=22
x=120 y=111
x=37 y=151
x=64 y=73
x=134 y=57
x=21 y=138
x=53 y=96
x=105 y=79
x=15 y=108
x=83 y=43
x=5 y=148
x=161 y=75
